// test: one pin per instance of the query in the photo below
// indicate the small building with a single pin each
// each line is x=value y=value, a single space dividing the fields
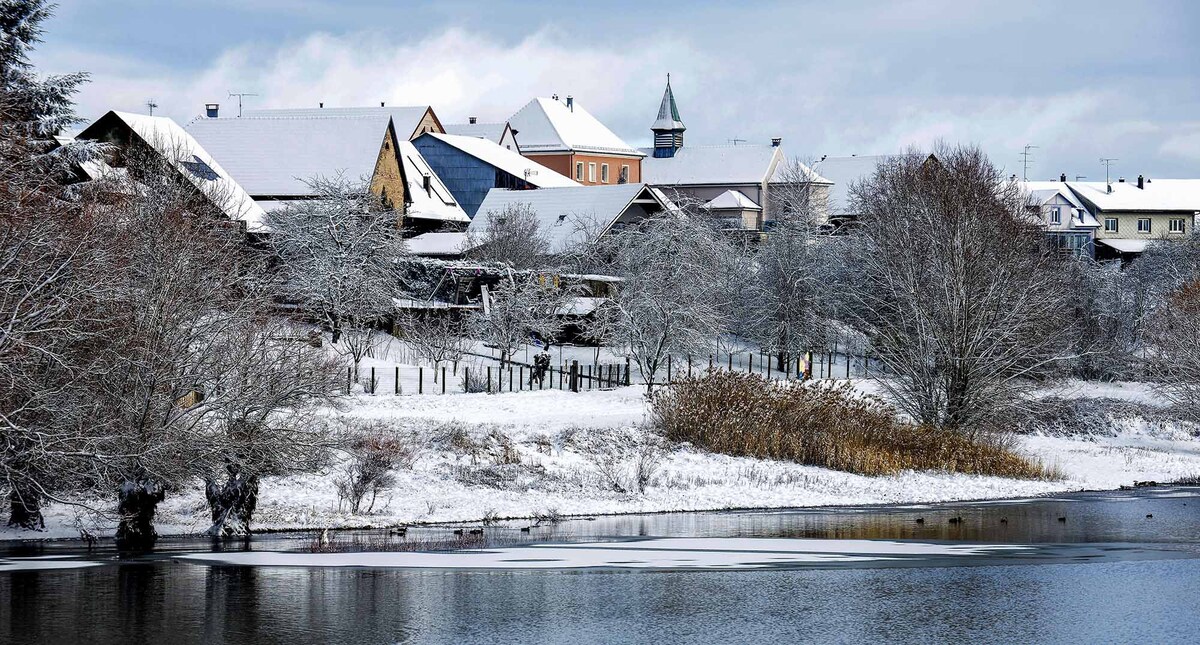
x=165 y=138
x=577 y=215
x=1069 y=226
x=566 y=138
x=735 y=211
x=1132 y=214
x=472 y=166
x=275 y=154
x=500 y=134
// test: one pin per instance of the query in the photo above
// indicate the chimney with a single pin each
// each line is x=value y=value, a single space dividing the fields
x=1062 y=177
x=320 y=105
x=427 y=184
x=554 y=96
x=1141 y=182
x=211 y=110
x=776 y=141
x=1121 y=180
x=570 y=103
x=381 y=104
x=472 y=120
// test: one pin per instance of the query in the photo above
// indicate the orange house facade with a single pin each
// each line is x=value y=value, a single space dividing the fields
x=566 y=138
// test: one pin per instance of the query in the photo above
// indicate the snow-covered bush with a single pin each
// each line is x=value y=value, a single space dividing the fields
x=624 y=460
x=822 y=424
x=374 y=453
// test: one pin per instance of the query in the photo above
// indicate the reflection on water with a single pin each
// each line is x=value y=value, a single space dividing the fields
x=159 y=599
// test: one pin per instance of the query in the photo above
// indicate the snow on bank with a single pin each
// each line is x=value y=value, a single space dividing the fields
x=541 y=453
x=657 y=553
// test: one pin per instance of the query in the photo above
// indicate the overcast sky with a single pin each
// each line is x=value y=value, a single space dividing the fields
x=1081 y=80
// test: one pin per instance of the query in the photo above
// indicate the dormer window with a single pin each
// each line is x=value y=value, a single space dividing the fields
x=200 y=169
x=1055 y=215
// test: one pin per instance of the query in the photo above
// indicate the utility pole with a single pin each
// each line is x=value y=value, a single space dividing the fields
x=150 y=103
x=239 y=96
x=1025 y=159
x=1107 y=167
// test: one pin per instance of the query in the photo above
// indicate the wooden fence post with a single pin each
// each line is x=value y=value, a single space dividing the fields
x=443 y=379
x=749 y=362
x=466 y=378
x=489 y=388
x=574 y=376
x=628 y=372
x=668 y=369
x=397 y=383
x=349 y=379
x=420 y=380
x=730 y=361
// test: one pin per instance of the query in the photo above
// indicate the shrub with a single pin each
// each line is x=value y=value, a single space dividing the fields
x=374 y=454
x=822 y=424
x=474 y=379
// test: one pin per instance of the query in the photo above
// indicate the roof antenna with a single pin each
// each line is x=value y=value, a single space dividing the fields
x=1107 y=167
x=1025 y=159
x=150 y=103
x=239 y=96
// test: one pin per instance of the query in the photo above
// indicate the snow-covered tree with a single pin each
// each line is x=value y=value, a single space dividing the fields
x=511 y=236
x=959 y=295
x=522 y=309
x=671 y=301
x=340 y=257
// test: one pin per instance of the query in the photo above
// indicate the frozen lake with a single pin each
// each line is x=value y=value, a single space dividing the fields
x=1006 y=572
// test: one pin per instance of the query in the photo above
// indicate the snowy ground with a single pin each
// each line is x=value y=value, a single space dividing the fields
x=526 y=454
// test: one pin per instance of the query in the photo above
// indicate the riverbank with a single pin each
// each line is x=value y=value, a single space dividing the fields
x=553 y=453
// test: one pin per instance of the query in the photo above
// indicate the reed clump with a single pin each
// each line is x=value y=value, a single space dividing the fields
x=824 y=424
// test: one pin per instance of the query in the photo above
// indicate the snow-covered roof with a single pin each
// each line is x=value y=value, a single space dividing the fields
x=276 y=156
x=567 y=216
x=436 y=202
x=580 y=306
x=548 y=125
x=843 y=172
x=437 y=244
x=506 y=160
x=732 y=200
x=191 y=159
x=697 y=165
x=491 y=131
x=1041 y=192
x=1180 y=195
x=406 y=118
x=668 y=112
x=1125 y=246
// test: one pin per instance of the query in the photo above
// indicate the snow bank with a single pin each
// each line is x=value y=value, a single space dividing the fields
x=560 y=441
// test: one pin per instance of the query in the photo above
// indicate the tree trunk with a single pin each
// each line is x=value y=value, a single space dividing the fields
x=232 y=504
x=137 y=501
x=25 y=509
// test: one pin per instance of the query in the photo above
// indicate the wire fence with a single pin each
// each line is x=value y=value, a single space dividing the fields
x=458 y=377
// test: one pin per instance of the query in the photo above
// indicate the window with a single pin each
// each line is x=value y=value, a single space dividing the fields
x=1110 y=225
x=592 y=172
x=604 y=173
x=1143 y=225
x=1176 y=226
x=1056 y=215
x=623 y=178
x=579 y=171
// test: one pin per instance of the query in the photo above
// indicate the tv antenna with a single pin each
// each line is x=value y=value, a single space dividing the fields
x=239 y=96
x=735 y=141
x=150 y=103
x=1025 y=159
x=1108 y=162
x=1080 y=177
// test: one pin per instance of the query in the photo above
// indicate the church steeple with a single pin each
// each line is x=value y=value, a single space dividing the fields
x=668 y=128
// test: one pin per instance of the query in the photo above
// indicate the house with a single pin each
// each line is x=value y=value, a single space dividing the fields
x=500 y=134
x=275 y=154
x=1068 y=224
x=566 y=138
x=575 y=215
x=1132 y=214
x=472 y=166
x=167 y=139
x=736 y=178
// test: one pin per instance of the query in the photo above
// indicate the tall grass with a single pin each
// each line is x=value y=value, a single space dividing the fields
x=823 y=424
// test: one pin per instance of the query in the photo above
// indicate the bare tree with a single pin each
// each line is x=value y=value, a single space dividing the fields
x=959 y=295
x=339 y=253
x=1174 y=356
x=521 y=310
x=669 y=302
x=436 y=336
x=511 y=236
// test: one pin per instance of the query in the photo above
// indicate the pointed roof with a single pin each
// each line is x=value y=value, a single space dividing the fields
x=548 y=125
x=510 y=162
x=668 y=112
x=732 y=200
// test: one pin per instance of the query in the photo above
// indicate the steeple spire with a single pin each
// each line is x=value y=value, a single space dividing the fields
x=668 y=128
